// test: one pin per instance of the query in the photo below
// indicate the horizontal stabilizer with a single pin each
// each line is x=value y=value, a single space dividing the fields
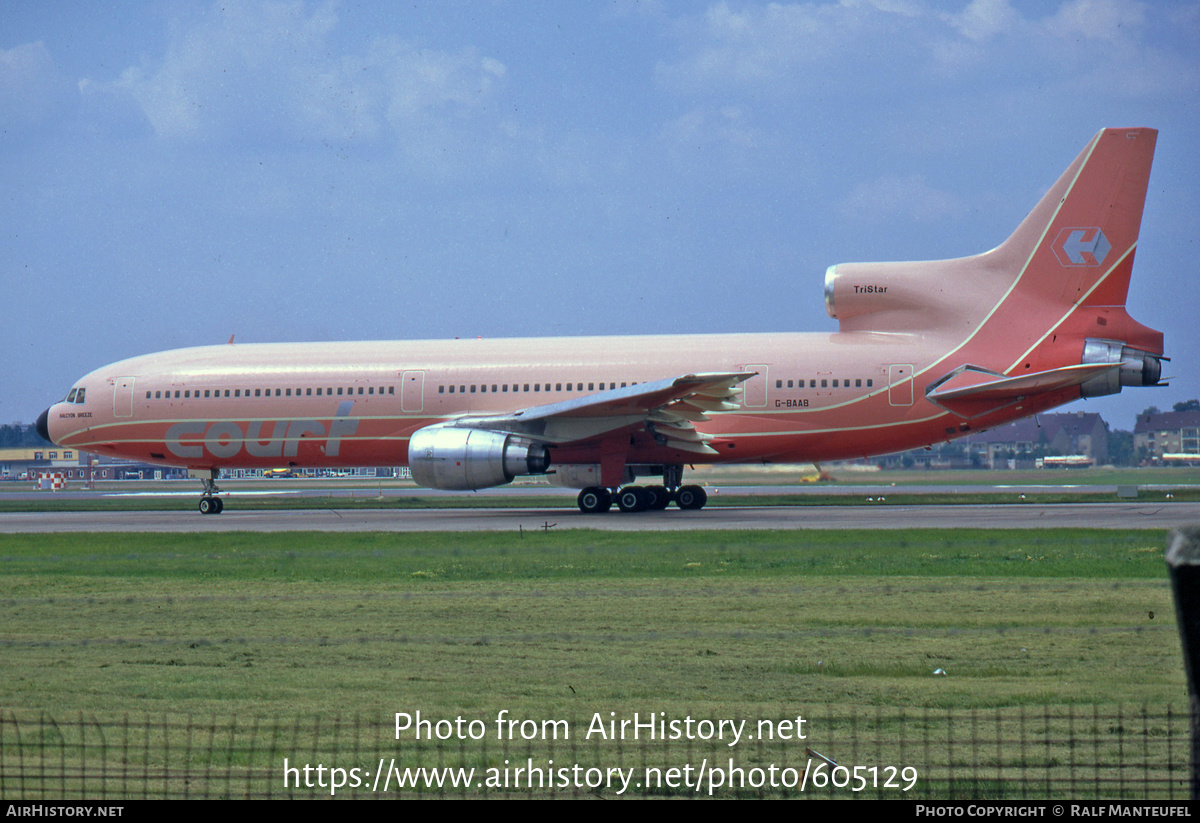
x=974 y=383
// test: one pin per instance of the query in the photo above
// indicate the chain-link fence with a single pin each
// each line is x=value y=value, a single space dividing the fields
x=1088 y=752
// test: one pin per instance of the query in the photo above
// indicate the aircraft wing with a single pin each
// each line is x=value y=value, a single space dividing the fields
x=669 y=408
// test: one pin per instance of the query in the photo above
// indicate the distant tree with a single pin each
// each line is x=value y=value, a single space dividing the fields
x=1187 y=405
x=1120 y=448
x=20 y=435
x=1151 y=410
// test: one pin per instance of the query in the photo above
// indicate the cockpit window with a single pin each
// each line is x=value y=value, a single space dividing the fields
x=71 y=397
x=79 y=395
x=74 y=396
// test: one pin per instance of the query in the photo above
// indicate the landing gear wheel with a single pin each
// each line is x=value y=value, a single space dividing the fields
x=691 y=497
x=594 y=500
x=209 y=502
x=632 y=499
x=658 y=498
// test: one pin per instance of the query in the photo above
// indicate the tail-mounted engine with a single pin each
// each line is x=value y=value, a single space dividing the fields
x=1138 y=368
x=452 y=458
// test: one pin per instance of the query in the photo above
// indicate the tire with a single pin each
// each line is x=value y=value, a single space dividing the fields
x=691 y=498
x=660 y=498
x=594 y=500
x=207 y=505
x=220 y=505
x=631 y=499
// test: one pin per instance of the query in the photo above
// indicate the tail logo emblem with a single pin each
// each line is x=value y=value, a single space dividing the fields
x=1081 y=247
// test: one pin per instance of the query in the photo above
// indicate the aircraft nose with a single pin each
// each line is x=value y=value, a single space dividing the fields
x=42 y=425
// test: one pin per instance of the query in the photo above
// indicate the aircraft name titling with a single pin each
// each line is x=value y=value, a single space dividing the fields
x=225 y=438
x=870 y=289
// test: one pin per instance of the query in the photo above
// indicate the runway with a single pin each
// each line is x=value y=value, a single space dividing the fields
x=1016 y=516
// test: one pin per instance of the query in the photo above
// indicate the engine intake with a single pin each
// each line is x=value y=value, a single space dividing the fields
x=458 y=459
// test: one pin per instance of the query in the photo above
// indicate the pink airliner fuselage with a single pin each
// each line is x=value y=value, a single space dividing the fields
x=925 y=352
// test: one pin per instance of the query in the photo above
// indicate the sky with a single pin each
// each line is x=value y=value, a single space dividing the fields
x=173 y=173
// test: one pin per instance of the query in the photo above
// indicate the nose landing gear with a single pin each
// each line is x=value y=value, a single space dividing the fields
x=209 y=502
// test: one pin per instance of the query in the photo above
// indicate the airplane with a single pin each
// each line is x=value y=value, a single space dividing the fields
x=924 y=352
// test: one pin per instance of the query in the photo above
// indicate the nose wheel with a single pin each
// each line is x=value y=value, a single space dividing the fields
x=209 y=502
x=211 y=505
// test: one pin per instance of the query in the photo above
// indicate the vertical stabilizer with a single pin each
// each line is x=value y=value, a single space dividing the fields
x=1077 y=245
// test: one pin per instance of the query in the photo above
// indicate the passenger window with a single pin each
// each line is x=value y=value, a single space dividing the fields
x=779 y=384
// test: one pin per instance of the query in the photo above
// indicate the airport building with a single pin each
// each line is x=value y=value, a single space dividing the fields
x=1168 y=437
x=1023 y=444
x=74 y=466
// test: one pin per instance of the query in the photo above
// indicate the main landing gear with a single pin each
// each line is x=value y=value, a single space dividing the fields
x=209 y=502
x=595 y=499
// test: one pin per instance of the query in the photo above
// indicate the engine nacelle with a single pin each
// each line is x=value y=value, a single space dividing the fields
x=1138 y=368
x=461 y=459
x=854 y=290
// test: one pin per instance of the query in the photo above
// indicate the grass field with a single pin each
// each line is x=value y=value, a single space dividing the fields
x=568 y=624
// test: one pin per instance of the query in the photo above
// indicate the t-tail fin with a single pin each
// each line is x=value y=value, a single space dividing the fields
x=1073 y=254
x=1077 y=245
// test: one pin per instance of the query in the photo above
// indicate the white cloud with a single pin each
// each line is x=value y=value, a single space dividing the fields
x=1109 y=20
x=762 y=44
x=984 y=19
x=245 y=72
x=29 y=83
x=892 y=197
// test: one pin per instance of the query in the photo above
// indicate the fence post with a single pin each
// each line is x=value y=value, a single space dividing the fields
x=1183 y=563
